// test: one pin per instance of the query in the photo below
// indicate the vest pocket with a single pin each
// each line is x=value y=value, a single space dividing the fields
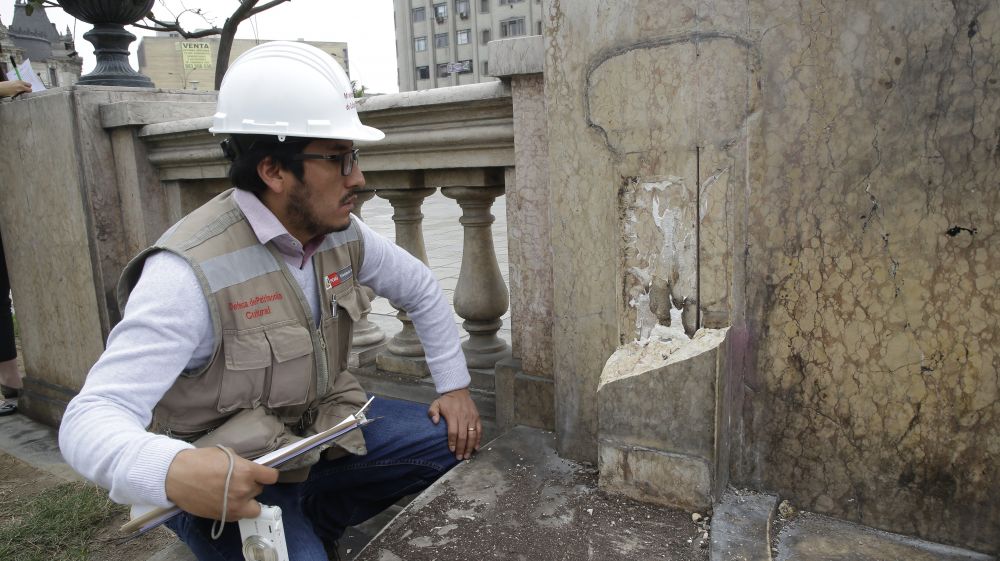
x=247 y=357
x=292 y=369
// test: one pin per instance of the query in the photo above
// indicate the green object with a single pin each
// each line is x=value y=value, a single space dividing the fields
x=16 y=71
x=60 y=522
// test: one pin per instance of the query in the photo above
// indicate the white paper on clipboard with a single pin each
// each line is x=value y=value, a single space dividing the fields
x=28 y=75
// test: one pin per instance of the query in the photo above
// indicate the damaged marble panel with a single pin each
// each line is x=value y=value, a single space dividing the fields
x=657 y=406
x=660 y=259
x=697 y=83
x=874 y=268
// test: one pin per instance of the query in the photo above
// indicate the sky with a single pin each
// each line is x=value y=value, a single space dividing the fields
x=365 y=25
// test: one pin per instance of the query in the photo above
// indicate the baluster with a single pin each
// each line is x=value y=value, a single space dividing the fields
x=408 y=219
x=368 y=338
x=480 y=296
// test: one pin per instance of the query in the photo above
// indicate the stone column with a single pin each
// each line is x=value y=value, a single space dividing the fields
x=368 y=339
x=525 y=385
x=481 y=295
x=406 y=354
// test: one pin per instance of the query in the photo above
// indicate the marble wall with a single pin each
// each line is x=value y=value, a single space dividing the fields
x=874 y=253
x=837 y=165
x=77 y=190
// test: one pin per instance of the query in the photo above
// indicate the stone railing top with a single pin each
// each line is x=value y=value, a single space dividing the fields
x=459 y=127
x=469 y=93
x=137 y=113
x=517 y=55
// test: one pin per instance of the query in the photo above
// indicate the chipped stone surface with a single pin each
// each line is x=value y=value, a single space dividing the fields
x=657 y=410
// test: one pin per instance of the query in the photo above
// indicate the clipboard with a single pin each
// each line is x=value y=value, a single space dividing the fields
x=145 y=519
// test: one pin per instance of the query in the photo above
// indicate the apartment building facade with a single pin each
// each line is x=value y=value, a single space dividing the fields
x=446 y=42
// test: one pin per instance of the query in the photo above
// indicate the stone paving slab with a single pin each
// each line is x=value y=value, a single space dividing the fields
x=35 y=444
x=518 y=500
x=741 y=527
x=813 y=537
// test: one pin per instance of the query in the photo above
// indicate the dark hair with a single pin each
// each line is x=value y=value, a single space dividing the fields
x=246 y=151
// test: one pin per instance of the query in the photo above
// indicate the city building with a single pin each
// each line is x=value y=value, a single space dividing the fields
x=53 y=55
x=445 y=42
x=175 y=63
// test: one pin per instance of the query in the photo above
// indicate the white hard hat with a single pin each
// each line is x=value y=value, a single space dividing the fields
x=288 y=89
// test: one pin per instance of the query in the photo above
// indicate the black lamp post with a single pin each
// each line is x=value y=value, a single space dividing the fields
x=110 y=38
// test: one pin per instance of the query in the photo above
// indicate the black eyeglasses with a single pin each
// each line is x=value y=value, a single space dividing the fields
x=346 y=159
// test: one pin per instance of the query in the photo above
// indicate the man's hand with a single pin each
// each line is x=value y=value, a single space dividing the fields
x=197 y=477
x=464 y=428
x=14 y=87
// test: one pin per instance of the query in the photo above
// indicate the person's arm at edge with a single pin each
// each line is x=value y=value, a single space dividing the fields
x=395 y=274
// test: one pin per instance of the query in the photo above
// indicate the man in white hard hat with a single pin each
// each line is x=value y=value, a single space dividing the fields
x=236 y=328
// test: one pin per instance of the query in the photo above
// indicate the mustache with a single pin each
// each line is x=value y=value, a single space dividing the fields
x=348 y=198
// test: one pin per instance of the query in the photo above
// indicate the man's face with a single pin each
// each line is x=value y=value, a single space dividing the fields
x=322 y=202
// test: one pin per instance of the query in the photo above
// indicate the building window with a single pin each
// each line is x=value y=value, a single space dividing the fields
x=539 y=28
x=423 y=73
x=484 y=6
x=420 y=44
x=507 y=2
x=53 y=78
x=442 y=70
x=462 y=38
x=440 y=40
x=486 y=68
x=486 y=36
x=512 y=27
x=441 y=12
x=419 y=14
x=462 y=8
x=464 y=66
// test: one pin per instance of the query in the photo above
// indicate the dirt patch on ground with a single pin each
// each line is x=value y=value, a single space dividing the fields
x=22 y=483
x=530 y=522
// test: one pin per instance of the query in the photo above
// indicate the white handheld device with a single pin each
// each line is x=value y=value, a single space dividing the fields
x=264 y=536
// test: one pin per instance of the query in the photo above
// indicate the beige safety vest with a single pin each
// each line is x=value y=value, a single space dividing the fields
x=268 y=352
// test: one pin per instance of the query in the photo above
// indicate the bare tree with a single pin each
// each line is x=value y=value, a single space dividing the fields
x=226 y=33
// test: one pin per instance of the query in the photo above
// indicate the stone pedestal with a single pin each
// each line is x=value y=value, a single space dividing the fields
x=523 y=399
x=86 y=192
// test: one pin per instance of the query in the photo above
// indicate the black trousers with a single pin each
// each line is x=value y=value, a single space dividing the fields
x=8 y=351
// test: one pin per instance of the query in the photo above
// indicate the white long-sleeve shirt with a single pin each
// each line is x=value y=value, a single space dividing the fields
x=166 y=328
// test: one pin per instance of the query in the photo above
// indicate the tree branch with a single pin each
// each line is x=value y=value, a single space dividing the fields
x=178 y=29
x=269 y=5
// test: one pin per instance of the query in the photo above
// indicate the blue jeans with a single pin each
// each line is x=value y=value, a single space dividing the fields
x=406 y=453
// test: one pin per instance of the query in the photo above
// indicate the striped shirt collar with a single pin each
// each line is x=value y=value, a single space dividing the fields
x=268 y=228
